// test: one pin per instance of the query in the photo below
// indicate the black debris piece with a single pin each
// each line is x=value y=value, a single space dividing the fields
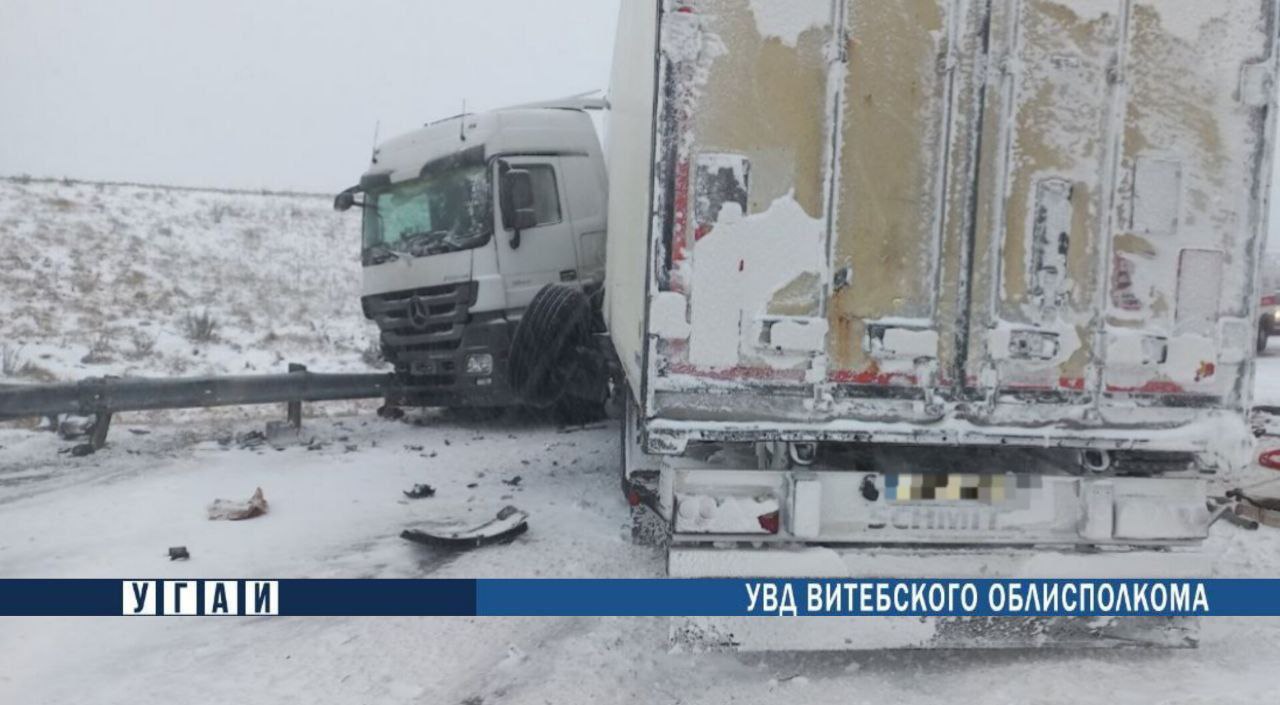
x=393 y=413
x=509 y=524
x=251 y=440
x=421 y=492
x=179 y=553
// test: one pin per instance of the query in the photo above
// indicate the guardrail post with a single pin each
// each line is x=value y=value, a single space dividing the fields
x=101 y=425
x=295 y=407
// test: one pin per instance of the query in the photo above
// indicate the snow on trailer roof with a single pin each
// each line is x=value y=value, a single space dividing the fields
x=552 y=129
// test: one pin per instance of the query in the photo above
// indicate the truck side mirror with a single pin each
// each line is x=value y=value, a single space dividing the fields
x=518 y=212
x=345 y=201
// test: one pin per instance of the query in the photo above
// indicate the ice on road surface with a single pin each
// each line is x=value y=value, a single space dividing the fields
x=337 y=509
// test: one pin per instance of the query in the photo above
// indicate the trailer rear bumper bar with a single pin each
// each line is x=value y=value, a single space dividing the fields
x=1223 y=435
x=924 y=563
x=828 y=634
x=747 y=634
x=930 y=508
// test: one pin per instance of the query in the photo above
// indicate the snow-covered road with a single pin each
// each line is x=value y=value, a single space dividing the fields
x=336 y=511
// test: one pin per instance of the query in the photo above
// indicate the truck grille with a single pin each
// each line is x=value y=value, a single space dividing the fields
x=422 y=325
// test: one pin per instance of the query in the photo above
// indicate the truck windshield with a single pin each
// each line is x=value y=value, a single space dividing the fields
x=437 y=214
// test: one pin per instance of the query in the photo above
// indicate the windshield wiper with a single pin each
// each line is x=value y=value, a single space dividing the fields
x=426 y=243
x=380 y=254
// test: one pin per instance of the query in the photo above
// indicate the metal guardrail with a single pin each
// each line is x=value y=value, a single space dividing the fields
x=106 y=396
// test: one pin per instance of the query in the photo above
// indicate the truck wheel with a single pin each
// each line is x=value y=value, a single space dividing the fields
x=476 y=414
x=1264 y=337
x=572 y=411
x=544 y=354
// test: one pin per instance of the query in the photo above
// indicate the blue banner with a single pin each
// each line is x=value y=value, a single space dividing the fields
x=641 y=598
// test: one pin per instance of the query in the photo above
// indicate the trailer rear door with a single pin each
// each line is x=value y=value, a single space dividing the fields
x=907 y=130
x=1119 y=197
x=1009 y=200
x=745 y=115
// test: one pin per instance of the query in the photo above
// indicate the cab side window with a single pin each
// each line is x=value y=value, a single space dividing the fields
x=546 y=194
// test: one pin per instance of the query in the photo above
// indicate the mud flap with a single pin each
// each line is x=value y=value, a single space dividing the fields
x=757 y=634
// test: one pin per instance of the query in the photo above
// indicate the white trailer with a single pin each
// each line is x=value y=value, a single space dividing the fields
x=961 y=288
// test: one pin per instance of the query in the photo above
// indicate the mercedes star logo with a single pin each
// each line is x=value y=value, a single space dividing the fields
x=419 y=312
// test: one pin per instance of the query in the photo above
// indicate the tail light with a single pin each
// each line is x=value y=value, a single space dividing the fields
x=771 y=522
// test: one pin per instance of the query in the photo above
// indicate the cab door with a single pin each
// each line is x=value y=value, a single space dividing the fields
x=545 y=253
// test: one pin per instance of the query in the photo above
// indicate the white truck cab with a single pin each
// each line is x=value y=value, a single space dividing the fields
x=465 y=220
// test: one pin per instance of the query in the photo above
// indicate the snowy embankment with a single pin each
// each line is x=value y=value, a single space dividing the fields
x=102 y=279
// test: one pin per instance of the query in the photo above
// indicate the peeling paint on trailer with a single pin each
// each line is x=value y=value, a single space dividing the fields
x=1041 y=209
x=890 y=174
x=748 y=234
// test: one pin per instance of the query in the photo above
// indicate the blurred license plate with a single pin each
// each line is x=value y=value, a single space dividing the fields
x=951 y=487
x=422 y=368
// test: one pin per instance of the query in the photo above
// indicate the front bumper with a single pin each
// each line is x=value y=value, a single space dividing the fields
x=428 y=334
x=440 y=378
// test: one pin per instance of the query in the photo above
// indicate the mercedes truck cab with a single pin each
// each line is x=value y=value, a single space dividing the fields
x=464 y=221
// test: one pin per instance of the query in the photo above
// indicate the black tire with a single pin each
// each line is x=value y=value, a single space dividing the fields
x=476 y=414
x=1264 y=337
x=572 y=411
x=544 y=354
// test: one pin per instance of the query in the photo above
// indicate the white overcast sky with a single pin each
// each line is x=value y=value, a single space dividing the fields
x=270 y=93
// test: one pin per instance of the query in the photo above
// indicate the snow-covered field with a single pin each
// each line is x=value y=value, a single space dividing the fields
x=101 y=279
x=101 y=268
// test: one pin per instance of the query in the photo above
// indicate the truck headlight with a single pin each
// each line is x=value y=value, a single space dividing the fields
x=480 y=364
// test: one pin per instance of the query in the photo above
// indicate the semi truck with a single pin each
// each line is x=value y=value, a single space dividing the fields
x=464 y=221
x=962 y=288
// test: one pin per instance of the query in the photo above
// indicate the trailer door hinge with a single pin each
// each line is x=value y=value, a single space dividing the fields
x=947 y=60
x=843 y=279
x=1257 y=84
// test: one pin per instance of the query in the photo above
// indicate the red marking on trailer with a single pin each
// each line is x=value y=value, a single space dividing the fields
x=873 y=378
x=752 y=374
x=1152 y=387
